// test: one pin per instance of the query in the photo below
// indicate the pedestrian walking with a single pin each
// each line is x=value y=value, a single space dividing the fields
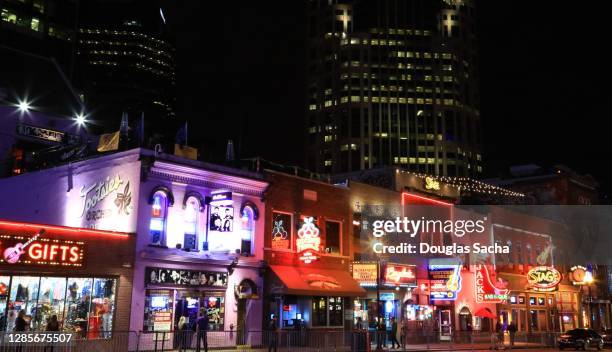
x=202 y=330
x=20 y=325
x=381 y=332
x=403 y=332
x=273 y=328
x=499 y=332
x=512 y=328
x=393 y=333
x=183 y=330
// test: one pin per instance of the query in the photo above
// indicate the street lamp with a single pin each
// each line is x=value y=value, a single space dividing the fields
x=80 y=119
x=24 y=106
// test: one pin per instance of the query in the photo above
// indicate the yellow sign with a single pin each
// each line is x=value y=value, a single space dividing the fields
x=186 y=151
x=108 y=142
x=430 y=183
x=543 y=278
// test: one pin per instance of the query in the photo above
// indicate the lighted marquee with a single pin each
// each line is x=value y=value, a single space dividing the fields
x=486 y=291
x=365 y=274
x=543 y=278
x=580 y=275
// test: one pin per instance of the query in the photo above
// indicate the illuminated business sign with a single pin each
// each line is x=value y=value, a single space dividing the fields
x=432 y=184
x=179 y=277
x=45 y=134
x=281 y=231
x=486 y=291
x=543 y=278
x=38 y=249
x=444 y=282
x=308 y=243
x=580 y=275
x=400 y=275
x=365 y=274
x=221 y=198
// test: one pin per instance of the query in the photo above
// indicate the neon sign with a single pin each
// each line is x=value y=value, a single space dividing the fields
x=486 y=292
x=543 y=278
x=579 y=275
x=400 y=275
x=445 y=282
x=308 y=242
x=41 y=251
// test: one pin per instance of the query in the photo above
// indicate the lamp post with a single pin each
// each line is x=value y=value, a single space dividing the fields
x=588 y=280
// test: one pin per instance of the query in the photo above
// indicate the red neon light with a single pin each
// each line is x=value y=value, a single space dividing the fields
x=62 y=229
x=430 y=200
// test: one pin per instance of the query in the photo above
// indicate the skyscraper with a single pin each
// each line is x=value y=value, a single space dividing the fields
x=126 y=62
x=393 y=82
x=42 y=27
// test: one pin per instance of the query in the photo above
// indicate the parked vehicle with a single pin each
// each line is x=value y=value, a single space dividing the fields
x=607 y=337
x=581 y=339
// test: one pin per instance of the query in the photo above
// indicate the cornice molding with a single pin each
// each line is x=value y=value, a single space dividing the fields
x=206 y=178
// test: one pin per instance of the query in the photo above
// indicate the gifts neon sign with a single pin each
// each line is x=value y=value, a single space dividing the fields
x=308 y=242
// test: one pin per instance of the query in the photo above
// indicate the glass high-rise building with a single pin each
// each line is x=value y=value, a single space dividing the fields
x=393 y=82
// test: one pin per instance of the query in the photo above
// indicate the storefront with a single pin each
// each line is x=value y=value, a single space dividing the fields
x=198 y=253
x=50 y=270
x=312 y=297
x=539 y=302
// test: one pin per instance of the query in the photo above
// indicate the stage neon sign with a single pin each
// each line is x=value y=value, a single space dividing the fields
x=308 y=242
x=543 y=278
x=486 y=292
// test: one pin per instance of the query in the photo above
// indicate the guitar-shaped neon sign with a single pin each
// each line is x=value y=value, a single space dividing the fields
x=12 y=254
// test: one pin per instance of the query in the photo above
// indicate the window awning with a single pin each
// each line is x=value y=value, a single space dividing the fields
x=315 y=282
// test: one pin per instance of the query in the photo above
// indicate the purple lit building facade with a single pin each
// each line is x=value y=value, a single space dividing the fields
x=197 y=226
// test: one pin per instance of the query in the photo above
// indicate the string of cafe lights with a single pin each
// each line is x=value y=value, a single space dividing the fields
x=469 y=184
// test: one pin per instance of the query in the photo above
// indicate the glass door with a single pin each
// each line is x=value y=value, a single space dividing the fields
x=446 y=324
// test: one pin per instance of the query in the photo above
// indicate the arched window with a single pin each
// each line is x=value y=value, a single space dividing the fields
x=157 y=224
x=247 y=220
x=191 y=217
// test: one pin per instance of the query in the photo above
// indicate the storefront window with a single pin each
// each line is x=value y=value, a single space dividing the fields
x=157 y=224
x=51 y=301
x=78 y=301
x=336 y=316
x=215 y=310
x=332 y=237
x=327 y=311
x=82 y=305
x=101 y=308
x=158 y=310
x=533 y=320
x=24 y=295
x=319 y=311
x=4 y=286
x=192 y=211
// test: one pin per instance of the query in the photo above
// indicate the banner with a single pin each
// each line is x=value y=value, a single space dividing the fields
x=108 y=142
x=186 y=151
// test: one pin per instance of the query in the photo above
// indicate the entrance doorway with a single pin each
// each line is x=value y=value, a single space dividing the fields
x=445 y=324
x=465 y=319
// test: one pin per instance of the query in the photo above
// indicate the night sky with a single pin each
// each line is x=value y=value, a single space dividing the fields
x=240 y=75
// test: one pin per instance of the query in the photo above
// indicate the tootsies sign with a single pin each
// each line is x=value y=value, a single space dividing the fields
x=40 y=248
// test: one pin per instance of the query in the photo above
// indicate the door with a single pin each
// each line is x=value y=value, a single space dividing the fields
x=445 y=324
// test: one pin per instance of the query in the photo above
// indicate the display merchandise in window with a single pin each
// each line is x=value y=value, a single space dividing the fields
x=158 y=310
x=82 y=305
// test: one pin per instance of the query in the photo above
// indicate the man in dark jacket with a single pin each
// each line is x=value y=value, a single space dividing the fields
x=393 y=333
x=202 y=330
x=273 y=331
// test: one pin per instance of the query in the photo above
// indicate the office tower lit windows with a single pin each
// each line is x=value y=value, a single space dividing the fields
x=393 y=82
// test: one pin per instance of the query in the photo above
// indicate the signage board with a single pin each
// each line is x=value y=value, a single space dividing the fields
x=365 y=273
x=486 y=291
x=41 y=248
x=543 y=278
x=400 y=275
x=444 y=281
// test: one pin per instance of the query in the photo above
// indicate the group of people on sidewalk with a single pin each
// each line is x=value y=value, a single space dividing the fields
x=186 y=331
x=497 y=339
